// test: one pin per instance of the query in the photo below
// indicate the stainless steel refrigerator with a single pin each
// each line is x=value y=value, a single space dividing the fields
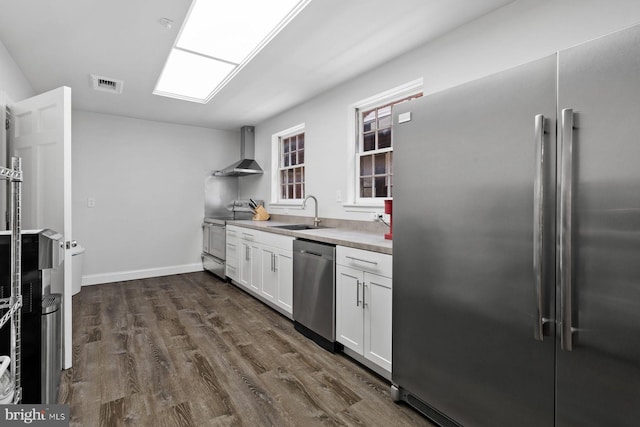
x=516 y=294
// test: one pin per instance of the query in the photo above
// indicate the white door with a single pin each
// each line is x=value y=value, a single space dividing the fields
x=42 y=138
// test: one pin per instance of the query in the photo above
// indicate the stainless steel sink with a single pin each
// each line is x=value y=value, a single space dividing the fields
x=297 y=227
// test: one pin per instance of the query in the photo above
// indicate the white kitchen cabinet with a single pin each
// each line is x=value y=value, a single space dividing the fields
x=255 y=281
x=363 y=304
x=269 y=287
x=377 y=319
x=284 y=265
x=250 y=262
x=277 y=270
x=232 y=262
x=349 y=310
x=265 y=267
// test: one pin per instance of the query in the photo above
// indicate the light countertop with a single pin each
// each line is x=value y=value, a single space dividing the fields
x=343 y=236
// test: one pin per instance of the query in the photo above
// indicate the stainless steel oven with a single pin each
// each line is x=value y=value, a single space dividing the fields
x=214 y=239
x=213 y=246
x=214 y=235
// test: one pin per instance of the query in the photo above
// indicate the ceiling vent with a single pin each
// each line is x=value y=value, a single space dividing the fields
x=106 y=84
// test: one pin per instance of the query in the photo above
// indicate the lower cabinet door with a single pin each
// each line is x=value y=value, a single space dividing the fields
x=269 y=277
x=377 y=319
x=245 y=264
x=349 y=311
x=256 y=267
x=232 y=261
x=284 y=267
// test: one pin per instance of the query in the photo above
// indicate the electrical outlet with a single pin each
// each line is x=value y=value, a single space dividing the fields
x=376 y=216
x=91 y=202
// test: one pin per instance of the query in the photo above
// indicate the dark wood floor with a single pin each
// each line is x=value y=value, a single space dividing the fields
x=191 y=350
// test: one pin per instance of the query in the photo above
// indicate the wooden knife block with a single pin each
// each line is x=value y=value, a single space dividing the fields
x=261 y=214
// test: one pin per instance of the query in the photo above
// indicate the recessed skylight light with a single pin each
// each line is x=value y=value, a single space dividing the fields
x=216 y=40
x=191 y=77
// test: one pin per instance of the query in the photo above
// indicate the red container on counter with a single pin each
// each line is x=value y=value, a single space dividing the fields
x=388 y=209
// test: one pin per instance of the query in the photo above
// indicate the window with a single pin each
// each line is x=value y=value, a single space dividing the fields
x=292 y=167
x=374 y=157
x=288 y=156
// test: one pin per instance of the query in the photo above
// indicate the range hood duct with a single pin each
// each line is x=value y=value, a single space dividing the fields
x=246 y=165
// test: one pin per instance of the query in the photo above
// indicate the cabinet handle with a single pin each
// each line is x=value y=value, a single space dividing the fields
x=357 y=293
x=246 y=253
x=275 y=263
x=362 y=260
x=364 y=298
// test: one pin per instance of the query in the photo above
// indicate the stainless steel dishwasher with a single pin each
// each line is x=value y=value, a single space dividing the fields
x=314 y=291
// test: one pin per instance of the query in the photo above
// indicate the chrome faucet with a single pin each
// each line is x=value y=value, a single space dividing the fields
x=316 y=220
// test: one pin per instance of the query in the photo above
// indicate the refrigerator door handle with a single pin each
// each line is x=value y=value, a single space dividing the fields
x=566 y=195
x=538 y=226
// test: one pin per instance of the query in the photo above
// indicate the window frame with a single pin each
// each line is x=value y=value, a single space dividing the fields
x=356 y=141
x=276 y=184
x=375 y=151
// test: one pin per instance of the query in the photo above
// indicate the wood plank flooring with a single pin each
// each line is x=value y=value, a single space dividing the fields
x=191 y=350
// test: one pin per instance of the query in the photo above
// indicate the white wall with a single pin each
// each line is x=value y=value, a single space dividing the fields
x=147 y=181
x=520 y=32
x=12 y=80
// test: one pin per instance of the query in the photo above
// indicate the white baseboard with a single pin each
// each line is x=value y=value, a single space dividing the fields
x=120 y=276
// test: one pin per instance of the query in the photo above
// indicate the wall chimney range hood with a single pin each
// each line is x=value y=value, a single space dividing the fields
x=246 y=165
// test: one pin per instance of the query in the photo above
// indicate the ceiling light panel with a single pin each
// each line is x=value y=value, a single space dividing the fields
x=190 y=77
x=217 y=39
x=231 y=30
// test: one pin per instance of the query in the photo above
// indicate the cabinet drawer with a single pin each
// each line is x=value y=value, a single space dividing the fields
x=249 y=234
x=232 y=232
x=373 y=262
x=277 y=241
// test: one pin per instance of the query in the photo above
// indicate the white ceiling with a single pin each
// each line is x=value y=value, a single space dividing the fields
x=60 y=43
